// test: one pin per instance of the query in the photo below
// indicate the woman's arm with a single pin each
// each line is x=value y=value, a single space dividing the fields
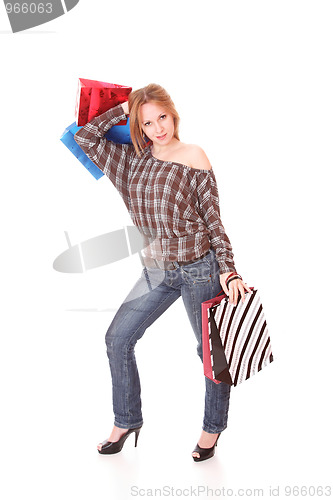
x=107 y=155
x=210 y=210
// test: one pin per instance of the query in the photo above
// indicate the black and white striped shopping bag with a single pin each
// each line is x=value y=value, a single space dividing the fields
x=236 y=343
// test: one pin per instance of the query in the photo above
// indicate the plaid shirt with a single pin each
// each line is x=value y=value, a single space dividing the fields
x=174 y=206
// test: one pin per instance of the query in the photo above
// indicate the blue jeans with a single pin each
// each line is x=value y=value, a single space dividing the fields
x=152 y=294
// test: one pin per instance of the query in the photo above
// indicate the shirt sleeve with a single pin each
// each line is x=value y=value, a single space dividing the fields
x=210 y=212
x=111 y=158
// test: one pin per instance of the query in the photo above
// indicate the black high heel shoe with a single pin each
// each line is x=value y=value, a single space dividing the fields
x=205 y=453
x=109 y=448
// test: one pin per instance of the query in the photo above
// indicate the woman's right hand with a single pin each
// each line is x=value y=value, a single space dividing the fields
x=125 y=107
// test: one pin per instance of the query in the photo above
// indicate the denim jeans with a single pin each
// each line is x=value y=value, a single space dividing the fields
x=152 y=294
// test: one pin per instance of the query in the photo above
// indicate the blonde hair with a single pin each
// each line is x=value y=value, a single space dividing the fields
x=150 y=93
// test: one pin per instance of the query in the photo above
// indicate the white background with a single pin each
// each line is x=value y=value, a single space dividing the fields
x=252 y=81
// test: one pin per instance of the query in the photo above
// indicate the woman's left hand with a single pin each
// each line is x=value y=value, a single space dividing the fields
x=235 y=287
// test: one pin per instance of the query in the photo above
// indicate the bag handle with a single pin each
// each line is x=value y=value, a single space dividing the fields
x=227 y=297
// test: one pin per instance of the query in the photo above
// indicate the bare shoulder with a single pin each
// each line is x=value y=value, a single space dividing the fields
x=197 y=158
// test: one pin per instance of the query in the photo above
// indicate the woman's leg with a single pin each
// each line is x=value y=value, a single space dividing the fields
x=148 y=299
x=201 y=282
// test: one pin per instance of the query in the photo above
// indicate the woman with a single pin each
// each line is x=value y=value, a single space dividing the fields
x=170 y=191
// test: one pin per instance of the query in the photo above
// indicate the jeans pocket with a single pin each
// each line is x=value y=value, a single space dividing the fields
x=198 y=272
x=153 y=276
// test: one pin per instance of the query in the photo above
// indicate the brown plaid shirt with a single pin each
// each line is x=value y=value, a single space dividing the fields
x=174 y=206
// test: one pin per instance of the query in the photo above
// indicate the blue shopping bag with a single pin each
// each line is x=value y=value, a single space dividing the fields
x=118 y=133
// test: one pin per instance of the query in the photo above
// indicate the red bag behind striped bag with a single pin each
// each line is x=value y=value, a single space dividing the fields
x=235 y=339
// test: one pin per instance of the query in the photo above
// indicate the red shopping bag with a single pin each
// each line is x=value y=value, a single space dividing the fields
x=235 y=339
x=94 y=98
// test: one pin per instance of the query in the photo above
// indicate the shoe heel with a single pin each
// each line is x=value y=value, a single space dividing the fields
x=136 y=437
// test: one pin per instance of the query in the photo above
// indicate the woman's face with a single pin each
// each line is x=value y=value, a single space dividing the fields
x=157 y=123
